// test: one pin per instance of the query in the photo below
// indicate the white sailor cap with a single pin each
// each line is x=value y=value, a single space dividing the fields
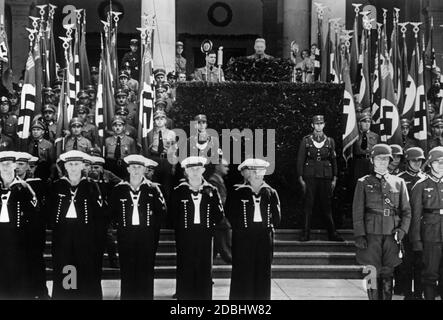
x=73 y=155
x=193 y=162
x=135 y=159
x=23 y=156
x=253 y=163
x=87 y=159
x=151 y=163
x=7 y=156
x=33 y=160
x=97 y=160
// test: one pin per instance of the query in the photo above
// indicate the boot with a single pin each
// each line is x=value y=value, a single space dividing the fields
x=387 y=288
x=380 y=288
x=307 y=231
x=429 y=292
x=372 y=294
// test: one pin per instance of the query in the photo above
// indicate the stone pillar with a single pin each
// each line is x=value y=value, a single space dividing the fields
x=20 y=43
x=164 y=34
x=296 y=24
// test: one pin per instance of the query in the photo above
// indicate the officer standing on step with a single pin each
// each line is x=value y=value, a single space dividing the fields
x=317 y=171
x=253 y=210
x=381 y=215
x=195 y=208
x=76 y=216
x=137 y=207
x=410 y=269
x=426 y=231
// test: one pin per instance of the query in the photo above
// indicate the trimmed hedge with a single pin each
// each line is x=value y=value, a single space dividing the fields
x=283 y=106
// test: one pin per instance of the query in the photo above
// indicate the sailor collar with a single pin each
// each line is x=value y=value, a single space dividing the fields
x=126 y=183
x=69 y=181
x=186 y=183
x=247 y=185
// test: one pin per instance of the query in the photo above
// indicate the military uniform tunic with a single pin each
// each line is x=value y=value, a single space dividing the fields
x=381 y=204
x=426 y=229
x=361 y=165
x=194 y=215
x=134 y=62
x=76 y=219
x=253 y=218
x=317 y=164
x=137 y=241
x=180 y=64
x=211 y=75
x=83 y=144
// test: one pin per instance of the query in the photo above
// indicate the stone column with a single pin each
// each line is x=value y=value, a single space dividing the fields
x=296 y=24
x=20 y=43
x=164 y=34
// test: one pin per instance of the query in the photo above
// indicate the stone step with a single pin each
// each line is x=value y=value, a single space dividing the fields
x=278 y=271
x=279 y=246
x=280 y=234
x=280 y=258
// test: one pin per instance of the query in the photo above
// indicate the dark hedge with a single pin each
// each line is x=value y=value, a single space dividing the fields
x=283 y=106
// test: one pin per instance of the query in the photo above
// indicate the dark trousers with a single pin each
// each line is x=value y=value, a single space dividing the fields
x=409 y=271
x=137 y=247
x=36 y=267
x=432 y=263
x=74 y=244
x=194 y=264
x=163 y=175
x=318 y=190
x=13 y=273
x=252 y=251
x=382 y=253
x=223 y=241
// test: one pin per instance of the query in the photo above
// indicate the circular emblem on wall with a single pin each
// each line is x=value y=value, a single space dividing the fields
x=220 y=14
x=104 y=7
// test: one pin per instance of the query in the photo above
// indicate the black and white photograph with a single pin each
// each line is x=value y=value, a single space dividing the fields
x=221 y=155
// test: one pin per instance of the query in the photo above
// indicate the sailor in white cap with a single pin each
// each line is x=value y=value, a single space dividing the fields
x=77 y=218
x=196 y=208
x=137 y=206
x=18 y=204
x=253 y=209
x=36 y=229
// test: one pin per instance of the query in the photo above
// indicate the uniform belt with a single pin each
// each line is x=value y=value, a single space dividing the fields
x=382 y=212
x=363 y=156
x=318 y=159
x=433 y=211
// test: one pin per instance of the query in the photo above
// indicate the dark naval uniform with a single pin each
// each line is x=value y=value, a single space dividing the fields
x=426 y=231
x=76 y=216
x=194 y=215
x=317 y=164
x=381 y=205
x=361 y=165
x=253 y=218
x=137 y=235
x=36 y=235
x=18 y=206
x=411 y=267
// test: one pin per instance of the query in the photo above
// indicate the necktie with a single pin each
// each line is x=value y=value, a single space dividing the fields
x=4 y=214
x=257 y=211
x=72 y=213
x=196 y=199
x=75 y=145
x=35 y=149
x=160 y=148
x=404 y=141
x=364 y=141
x=118 y=151
x=135 y=214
